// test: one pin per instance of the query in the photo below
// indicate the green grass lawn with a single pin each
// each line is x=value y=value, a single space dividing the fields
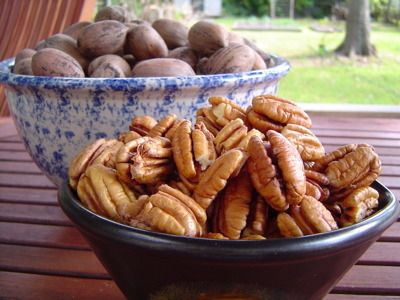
x=317 y=75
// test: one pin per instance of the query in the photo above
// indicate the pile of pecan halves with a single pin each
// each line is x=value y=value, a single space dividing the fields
x=235 y=174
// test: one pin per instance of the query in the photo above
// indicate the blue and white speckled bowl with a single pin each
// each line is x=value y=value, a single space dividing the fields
x=57 y=116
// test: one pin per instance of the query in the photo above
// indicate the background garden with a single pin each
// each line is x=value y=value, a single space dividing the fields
x=308 y=40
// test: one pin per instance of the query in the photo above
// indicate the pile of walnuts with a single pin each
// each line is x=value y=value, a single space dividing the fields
x=238 y=173
x=114 y=45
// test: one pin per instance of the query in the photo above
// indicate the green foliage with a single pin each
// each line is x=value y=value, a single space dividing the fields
x=310 y=8
x=257 y=8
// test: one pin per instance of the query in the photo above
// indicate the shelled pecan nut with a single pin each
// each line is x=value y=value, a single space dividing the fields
x=358 y=205
x=145 y=160
x=235 y=206
x=308 y=145
x=281 y=111
x=215 y=177
x=171 y=211
x=101 y=151
x=192 y=149
x=102 y=192
x=309 y=217
x=225 y=110
x=162 y=127
x=142 y=124
x=351 y=167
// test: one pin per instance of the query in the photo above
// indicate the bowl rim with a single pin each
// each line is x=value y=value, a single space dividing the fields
x=228 y=250
x=7 y=77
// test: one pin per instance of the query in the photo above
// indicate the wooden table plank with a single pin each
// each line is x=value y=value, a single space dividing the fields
x=65 y=237
x=15 y=146
x=19 y=167
x=392 y=234
x=381 y=280
x=359 y=134
x=29 y=259
x=346 y=123
x=359 y=297
x=21 y=286
x=30 y=180
x=36 y=214
x=28 y=195
x=8 y=155
x=382 y=254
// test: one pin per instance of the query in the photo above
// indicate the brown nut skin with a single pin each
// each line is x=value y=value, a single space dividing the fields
x=186 y=54
x=174 y=33
x=100 y=190
x=109 y=65
x=203 y=146
x=144 y=42
x=358 y=205
x=308 y=145
x=23 y=66
x=113 y=12
x=75 y=29
x=68 y=45
x=206 y=37
x=234 y=58
x=216 y=176
x=23 y=54
x=162 y=67
x=54 y=62
x=100 y=38
x=280 y=110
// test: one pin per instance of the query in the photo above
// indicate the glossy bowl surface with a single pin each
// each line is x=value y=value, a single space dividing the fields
x=57 y=116
x=150 y=265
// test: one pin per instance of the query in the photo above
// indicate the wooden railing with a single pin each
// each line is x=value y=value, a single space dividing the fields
x=23 y=23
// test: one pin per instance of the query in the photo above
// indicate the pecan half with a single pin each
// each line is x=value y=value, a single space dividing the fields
x=142 y=124
x=258 y=218
x=162 y=126
x=281 y=111
x=308 y=145
x=361 y=203
x=102 y=192
x=171 y=211
x=235 y=206
x=145 y=160
x=307 y=218
x=225 y=110
x=101 y=151
x=230 y=135
x=349 y=167
x=192 y=149
x=215 y=177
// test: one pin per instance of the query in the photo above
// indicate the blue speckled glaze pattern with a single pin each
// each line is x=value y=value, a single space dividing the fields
x=56 y=116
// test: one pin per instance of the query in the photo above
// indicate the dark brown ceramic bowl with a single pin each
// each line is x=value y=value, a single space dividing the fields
x=149 y=265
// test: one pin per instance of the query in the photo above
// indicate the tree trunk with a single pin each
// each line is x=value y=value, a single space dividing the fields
x=357 y=40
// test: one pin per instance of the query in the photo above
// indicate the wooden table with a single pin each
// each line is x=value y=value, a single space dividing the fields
x=42 y=256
